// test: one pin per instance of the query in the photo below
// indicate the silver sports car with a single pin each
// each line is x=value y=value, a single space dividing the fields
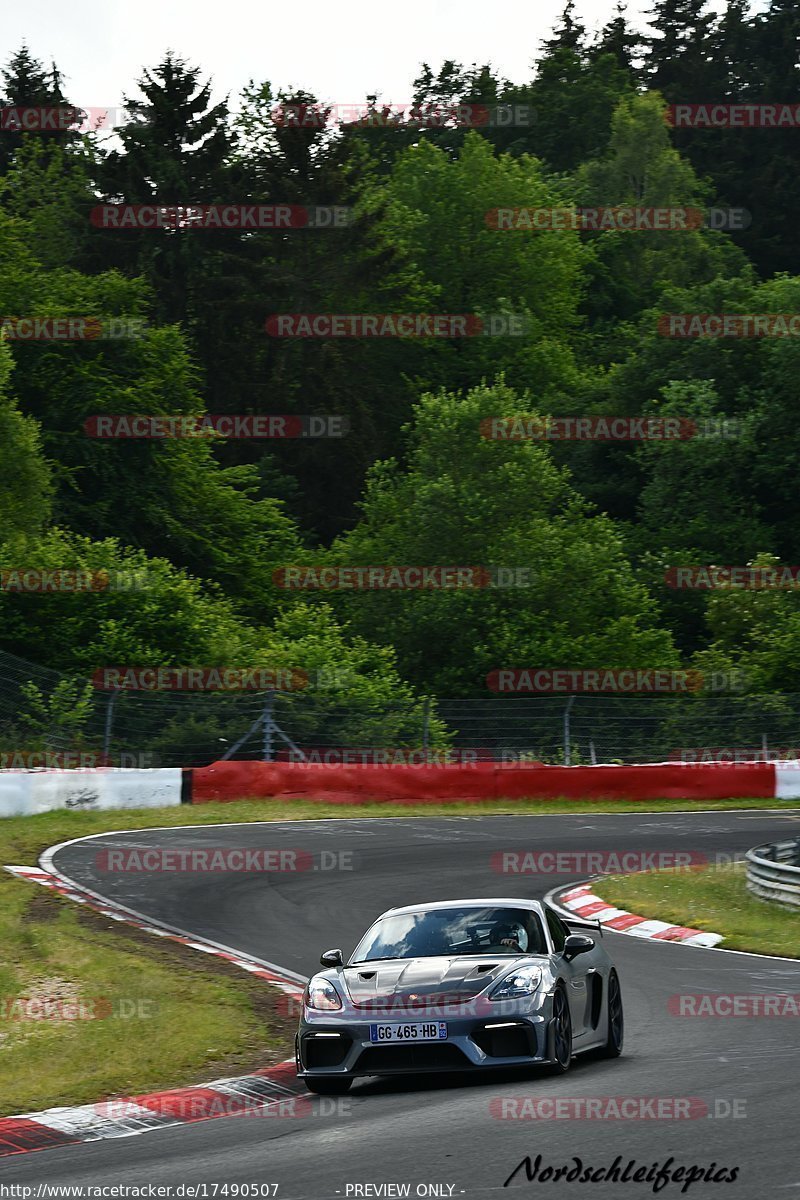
x=459 y=985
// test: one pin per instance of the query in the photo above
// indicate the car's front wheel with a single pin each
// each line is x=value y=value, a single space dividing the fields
x=616 y=1023
x=562 y=1032
x=323 y=1086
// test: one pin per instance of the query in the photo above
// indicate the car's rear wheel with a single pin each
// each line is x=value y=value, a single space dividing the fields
x=616 y=1021
x=562 y=1032
x=322 y=1086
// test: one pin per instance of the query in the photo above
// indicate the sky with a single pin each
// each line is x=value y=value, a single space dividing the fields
x=341 y=52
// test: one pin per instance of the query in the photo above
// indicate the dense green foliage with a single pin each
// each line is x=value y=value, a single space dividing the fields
x=207 y=522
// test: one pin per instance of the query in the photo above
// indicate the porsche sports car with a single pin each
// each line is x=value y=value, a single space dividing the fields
x=459 y=985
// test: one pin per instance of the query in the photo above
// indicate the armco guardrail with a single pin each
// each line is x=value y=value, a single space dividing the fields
x=773 y=872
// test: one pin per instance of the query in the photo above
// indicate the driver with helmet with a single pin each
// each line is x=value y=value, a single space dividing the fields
x=510 y=935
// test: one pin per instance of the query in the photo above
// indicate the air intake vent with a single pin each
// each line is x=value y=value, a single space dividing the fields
x=325 y=1052
x=513 y=1041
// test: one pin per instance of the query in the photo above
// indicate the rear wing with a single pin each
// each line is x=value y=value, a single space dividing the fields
x=587 y=924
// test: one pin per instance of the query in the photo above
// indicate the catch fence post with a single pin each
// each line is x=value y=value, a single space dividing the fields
x=426 y=715
x=109 y=725
x=268 y=726
x=567 y=754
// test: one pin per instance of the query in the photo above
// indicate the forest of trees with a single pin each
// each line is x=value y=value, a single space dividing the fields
x=208 y=521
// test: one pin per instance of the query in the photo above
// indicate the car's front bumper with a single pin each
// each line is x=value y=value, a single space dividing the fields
x=343 y=1047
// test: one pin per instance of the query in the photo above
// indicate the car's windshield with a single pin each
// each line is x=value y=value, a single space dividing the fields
x=451 y=931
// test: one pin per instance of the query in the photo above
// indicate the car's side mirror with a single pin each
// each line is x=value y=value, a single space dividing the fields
x=331 y=958
x=577 y=943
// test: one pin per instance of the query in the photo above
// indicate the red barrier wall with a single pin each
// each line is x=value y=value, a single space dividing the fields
x=341 y=783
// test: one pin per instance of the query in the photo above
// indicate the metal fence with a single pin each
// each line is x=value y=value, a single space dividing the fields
x=65 y=722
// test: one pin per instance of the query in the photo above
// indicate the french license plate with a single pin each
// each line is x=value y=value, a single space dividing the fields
x=418 y=1031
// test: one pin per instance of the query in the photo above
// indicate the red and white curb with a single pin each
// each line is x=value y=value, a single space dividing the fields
x=582 y=901
x=268 y=1092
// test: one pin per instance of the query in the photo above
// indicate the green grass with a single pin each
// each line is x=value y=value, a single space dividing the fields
x=714 y=899
x=195 y=1017
x=161 y=1017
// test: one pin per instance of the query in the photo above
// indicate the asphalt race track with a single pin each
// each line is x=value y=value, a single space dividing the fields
x=442 y=1132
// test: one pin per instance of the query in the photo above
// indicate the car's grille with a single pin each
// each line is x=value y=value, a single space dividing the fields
x=411 y=1058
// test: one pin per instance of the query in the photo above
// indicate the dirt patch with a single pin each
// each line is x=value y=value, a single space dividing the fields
x=40 y=908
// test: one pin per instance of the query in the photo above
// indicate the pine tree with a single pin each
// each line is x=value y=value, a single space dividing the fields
x=749 y=59
x=733 y=52
x=771 y=162
x=570 y=35
x=679 y=56
x=336 y=270
x=574 y=96
x=175 y=144
x=777 y=41
x=25 y=83
x=176 y=148
x=618 y=40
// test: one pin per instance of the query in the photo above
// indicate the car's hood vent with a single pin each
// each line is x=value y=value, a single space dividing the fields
x=415 y=982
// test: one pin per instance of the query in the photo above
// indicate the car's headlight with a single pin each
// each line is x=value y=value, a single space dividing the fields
x=322 y=995
x=519 y=983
